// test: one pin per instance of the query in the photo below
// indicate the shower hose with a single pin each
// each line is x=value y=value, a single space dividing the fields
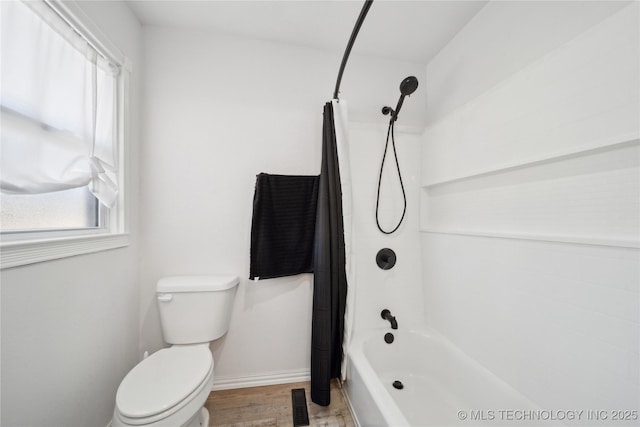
x=404 y=196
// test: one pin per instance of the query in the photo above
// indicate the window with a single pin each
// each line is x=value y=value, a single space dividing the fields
x=61 y=210
x=62 y=107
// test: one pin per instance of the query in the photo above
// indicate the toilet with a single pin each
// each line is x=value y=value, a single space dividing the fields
x=169 y=388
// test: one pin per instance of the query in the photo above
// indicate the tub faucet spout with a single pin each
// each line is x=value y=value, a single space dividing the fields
x=386 y=315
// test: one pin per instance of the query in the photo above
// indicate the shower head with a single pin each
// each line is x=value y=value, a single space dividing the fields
x=407 y=87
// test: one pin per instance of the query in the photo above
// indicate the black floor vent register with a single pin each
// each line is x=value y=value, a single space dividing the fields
x=299 y=403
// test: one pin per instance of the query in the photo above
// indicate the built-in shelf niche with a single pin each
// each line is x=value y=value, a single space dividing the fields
x=587 y=196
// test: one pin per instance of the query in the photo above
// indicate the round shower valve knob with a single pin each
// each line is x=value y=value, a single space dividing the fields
x=386 y=258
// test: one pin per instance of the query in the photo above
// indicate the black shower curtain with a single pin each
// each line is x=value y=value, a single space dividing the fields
x=330 y=279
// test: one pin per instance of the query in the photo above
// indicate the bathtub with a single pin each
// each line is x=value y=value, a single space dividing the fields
x=441 y=385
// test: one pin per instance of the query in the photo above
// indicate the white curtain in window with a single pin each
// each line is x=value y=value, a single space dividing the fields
x=58 y=107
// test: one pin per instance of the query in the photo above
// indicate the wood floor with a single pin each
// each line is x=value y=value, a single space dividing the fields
x=271 y=406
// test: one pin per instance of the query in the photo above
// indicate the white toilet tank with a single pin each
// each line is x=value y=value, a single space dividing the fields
x=195 y=309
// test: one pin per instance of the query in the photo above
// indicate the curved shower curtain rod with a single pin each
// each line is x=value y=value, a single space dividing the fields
x=352 y=39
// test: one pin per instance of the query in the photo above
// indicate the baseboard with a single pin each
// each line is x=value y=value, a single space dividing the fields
x=271 y=378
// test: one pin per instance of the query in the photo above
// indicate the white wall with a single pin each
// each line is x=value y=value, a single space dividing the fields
x=529 y=203
x=217 y=111
x=69 y=327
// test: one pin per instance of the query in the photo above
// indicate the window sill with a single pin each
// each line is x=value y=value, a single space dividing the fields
x=14 y=254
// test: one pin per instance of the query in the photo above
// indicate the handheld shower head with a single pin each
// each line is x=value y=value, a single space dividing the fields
x=407 y=87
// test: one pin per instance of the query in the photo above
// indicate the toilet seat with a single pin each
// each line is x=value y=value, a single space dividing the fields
x=163 y=384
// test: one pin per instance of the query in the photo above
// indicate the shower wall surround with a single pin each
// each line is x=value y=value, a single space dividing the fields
x=398 y=289
x=529 y=200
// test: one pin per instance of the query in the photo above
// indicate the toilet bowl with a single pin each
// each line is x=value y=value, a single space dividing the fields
x=169 y=388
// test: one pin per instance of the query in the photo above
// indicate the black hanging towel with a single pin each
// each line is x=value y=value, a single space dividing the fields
x=283 y=225
x=330 y=278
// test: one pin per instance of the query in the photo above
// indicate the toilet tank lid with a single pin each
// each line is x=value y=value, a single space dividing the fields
x=196 y=283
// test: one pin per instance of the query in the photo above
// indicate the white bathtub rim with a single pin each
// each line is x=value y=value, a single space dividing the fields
x=352 y=411
x=389 y=409
x=391 y=412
